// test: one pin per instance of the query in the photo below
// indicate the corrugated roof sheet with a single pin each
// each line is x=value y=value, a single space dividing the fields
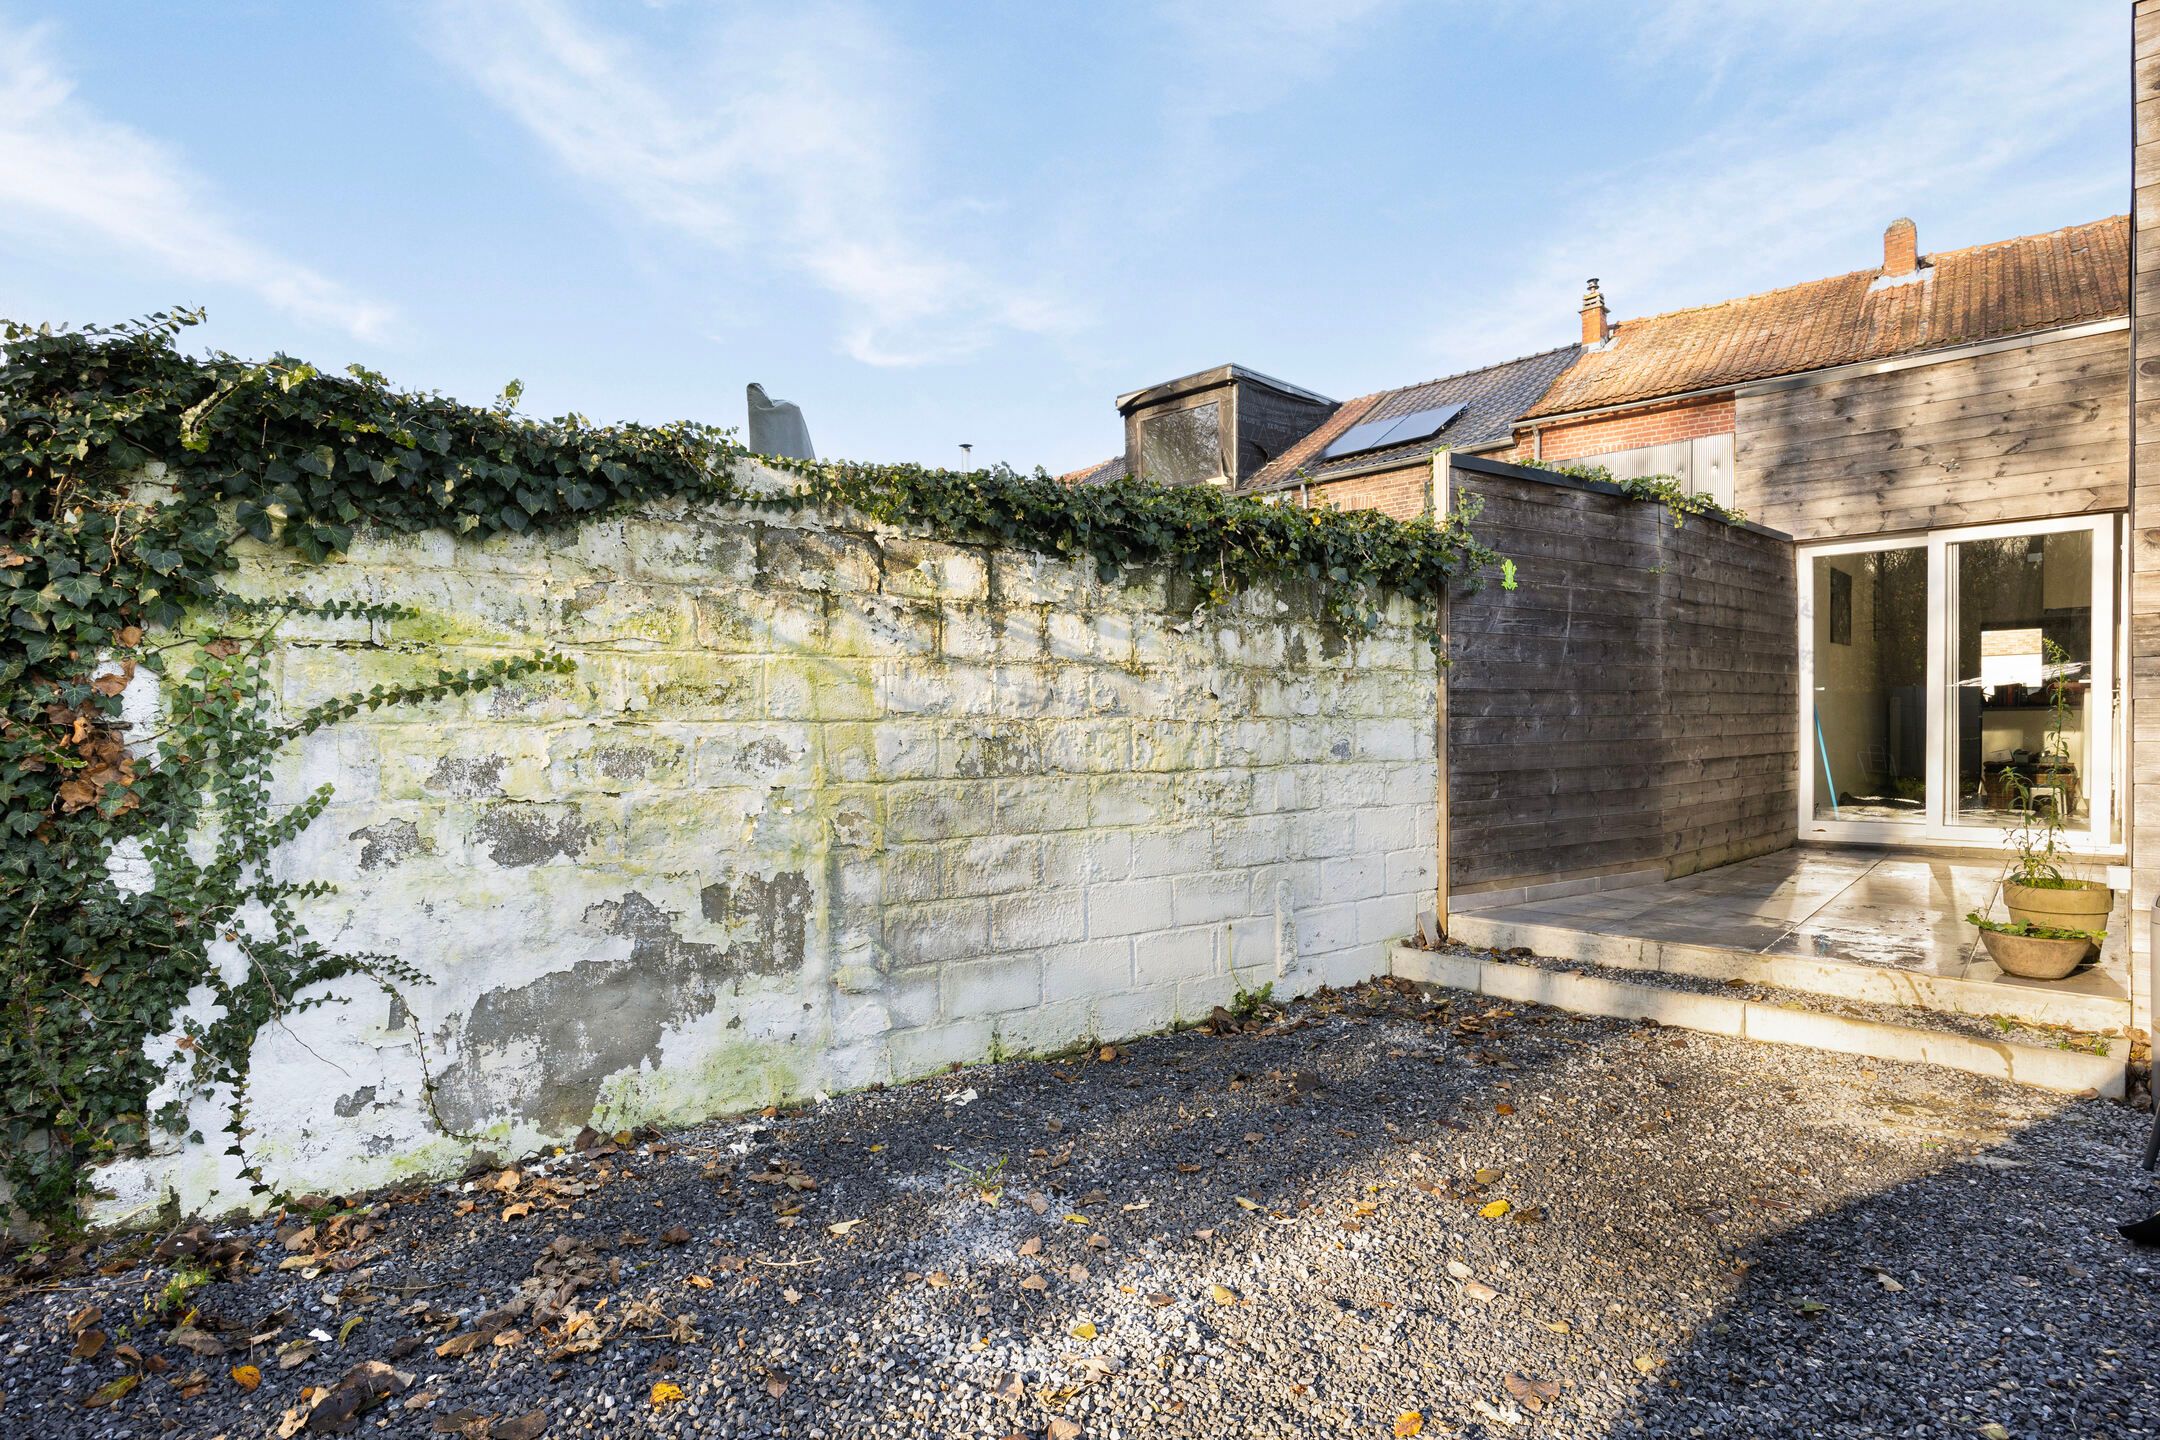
x=2035 y=282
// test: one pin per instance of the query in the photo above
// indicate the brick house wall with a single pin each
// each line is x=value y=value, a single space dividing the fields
x=1622 y=430
x=1404 y=493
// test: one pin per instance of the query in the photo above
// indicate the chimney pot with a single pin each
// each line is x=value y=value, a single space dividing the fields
x=1596 y=320
x=1901 y=247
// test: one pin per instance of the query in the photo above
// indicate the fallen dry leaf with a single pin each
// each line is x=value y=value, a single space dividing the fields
x=1410 y=1422
x=1494 y=1210
x=841 y=1227
x=666 y=1392
x=1083 y=1330
x=247 y=1377
x=112 y=1390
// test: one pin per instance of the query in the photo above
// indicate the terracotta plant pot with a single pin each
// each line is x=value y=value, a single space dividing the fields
x=2032 y=958
x=2084 y=906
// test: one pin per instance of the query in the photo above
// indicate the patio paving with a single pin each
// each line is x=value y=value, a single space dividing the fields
x=1882 y=910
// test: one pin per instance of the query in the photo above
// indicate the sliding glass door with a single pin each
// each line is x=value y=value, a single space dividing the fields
x=1931 y=669
x=1870 y=685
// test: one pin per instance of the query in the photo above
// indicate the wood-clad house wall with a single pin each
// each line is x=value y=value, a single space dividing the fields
x=2023 y=433
x=2144 y=607
x=1631 y=705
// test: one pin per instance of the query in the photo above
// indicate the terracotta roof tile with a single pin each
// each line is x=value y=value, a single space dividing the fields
x=1101 y=471
x=2013 y=287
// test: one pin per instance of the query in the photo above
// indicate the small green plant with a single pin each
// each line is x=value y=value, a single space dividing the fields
x=1666 y=490
x=2037 y=838
x=2027 y=930
x=1248 y=1003
x=985 y=1180
x=180 y=1287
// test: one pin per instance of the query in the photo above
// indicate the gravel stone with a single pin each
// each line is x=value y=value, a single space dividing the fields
x=1292 y=1232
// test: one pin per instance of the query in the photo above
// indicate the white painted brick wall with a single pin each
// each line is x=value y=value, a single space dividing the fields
x=819 y=805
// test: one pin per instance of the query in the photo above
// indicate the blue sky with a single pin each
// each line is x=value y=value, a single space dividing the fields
x=933 y=223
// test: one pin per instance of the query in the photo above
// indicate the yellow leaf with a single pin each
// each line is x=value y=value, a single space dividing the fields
x=1410 y=1422
x=841 y=1227
x=1083 y=1330
x=1223 y=1294
x=1494 y=1210
x=112 y=1390
x=247 y=1377
x=1076 y=1219
x=666 y=1393
x=703 y=1282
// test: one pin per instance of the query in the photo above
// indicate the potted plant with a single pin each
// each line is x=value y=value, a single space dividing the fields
x=2035 y=889
x=2035 y=952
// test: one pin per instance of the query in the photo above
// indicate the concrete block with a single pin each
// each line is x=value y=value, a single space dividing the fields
x=937 y=932
x=1436 y=967
x=1214 y=896
x=1172 y=955
x=1092 y=969
x=1386 y=919
x=989 y=987
x=1129 y=907
x=1135 y=1012
x=914 y=1053
x=1038 y=918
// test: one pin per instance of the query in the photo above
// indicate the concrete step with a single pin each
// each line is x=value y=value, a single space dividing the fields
x=2033 y=1001
x=1777 y=1017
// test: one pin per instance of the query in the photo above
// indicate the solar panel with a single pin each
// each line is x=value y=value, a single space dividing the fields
x=1360 y=437
x=1396 y=430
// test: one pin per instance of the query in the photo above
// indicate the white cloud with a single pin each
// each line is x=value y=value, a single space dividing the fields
x=1753 y=200
x=778 y=136
x=71 y=178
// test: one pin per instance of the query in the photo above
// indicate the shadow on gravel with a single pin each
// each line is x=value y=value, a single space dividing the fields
x=1280 y=1234
x=1991 y=1298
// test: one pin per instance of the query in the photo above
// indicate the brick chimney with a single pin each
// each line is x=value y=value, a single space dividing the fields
x=1900 y=248
x=1596 y=320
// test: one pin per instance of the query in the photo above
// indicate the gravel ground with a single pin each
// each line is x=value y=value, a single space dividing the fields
x=1383 y=1205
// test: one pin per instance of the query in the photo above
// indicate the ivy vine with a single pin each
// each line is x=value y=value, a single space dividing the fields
x=1667 y=490
x=136 y=855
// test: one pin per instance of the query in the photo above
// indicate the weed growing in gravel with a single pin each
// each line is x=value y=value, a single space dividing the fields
x=1248 y=1003
x=985 y=1180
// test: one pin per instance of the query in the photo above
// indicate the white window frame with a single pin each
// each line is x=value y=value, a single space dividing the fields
x=1936 y=825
